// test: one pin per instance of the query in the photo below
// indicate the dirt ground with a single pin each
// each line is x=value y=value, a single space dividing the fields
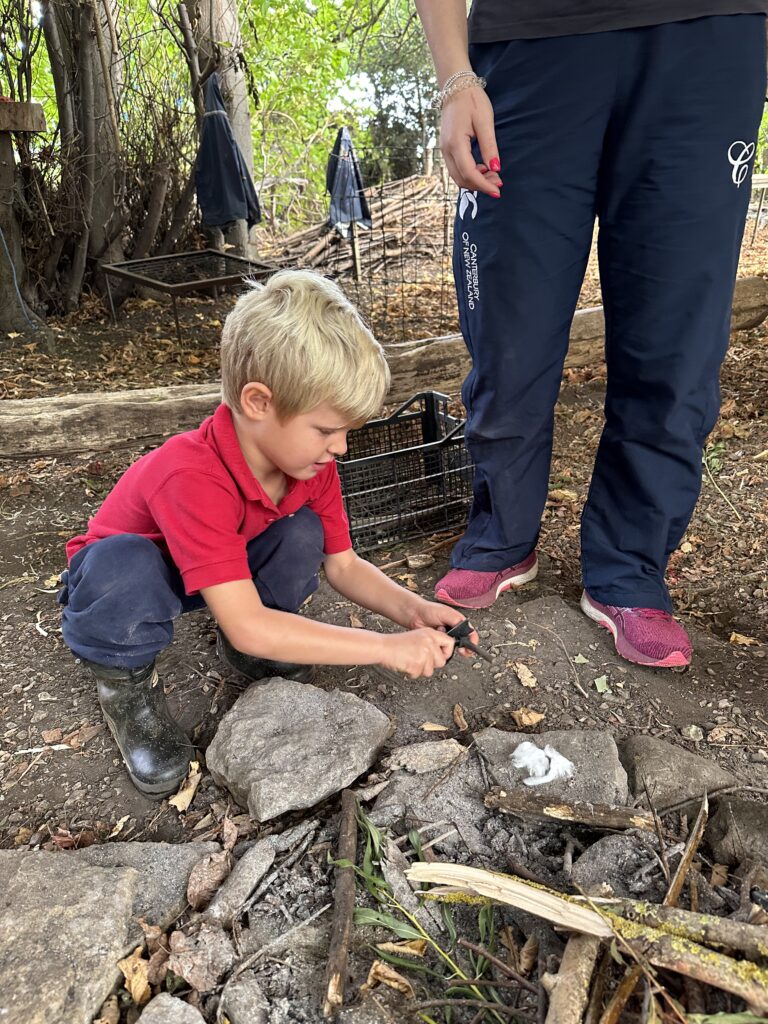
x=61 y=782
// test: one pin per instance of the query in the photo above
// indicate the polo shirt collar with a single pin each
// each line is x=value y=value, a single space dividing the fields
x=231 y=454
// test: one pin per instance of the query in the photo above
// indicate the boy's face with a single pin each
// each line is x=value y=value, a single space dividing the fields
x=303 y=445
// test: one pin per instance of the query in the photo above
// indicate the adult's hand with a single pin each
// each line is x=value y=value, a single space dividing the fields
x=468 y=115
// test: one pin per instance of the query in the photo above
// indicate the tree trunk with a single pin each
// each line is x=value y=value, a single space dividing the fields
x=15 y=316
x=219 y=23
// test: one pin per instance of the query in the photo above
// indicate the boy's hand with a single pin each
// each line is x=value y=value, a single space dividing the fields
x=440 y=616
x=416 y=653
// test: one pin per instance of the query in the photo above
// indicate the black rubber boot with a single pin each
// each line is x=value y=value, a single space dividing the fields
x=155 y=750
x=260 y=668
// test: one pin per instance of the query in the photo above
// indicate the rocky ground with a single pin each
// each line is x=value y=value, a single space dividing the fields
x=86 y=856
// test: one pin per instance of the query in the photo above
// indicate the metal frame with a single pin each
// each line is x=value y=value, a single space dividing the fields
x=254 y=269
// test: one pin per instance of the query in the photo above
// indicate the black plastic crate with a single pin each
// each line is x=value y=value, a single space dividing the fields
x=407 y=475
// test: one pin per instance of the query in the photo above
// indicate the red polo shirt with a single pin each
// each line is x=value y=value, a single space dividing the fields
x=196 y=498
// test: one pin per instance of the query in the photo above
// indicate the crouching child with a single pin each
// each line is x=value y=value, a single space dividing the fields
x=239 y=515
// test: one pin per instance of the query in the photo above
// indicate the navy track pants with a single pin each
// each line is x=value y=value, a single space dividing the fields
x=652 y=132
x=121 y=594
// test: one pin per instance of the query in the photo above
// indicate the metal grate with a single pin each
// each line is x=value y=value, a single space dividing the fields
x=190 y=271
x=407 y=475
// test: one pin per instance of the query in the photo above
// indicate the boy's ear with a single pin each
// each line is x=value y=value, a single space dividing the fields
x=255 y=400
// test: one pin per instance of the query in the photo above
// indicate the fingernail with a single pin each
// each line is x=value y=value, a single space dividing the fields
x=496 y=195
x=495 y=164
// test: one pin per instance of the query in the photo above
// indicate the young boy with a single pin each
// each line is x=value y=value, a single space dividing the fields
x=238 y=515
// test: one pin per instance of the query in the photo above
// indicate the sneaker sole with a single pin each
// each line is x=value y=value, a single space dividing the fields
x=623 y=647
x=487 y=599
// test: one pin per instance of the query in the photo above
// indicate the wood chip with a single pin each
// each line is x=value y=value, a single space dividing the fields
x=433 y=727
x=459 y=718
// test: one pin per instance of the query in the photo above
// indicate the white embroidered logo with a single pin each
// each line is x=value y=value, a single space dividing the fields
x=739 y=155
x=467 y=199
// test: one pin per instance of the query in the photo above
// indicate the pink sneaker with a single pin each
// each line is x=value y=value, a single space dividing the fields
x=646 y=636
x=468 y=588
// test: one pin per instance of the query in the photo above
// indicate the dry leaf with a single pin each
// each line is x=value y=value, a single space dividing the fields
x=459 y=719
x=110 y=1012
x=206 y=877
x=719 y=874
x=410 y=947
x=228 y=834
x=118 y=827
x=529 y=955
x=134 y=970
x=526 y=718
x=201 y=959
x=433 y=727
x=81 y=736
x=419 y=561
x=158 y=966
x=355 y=621
x=183 y=798
x=381 y=974
x=153 y=933
x=560 y=495
x=726 y=733
x=408 y=580
x=508 y=941
x=686 y=547
x=745 y=641
x=51 y=735
x=524 y=674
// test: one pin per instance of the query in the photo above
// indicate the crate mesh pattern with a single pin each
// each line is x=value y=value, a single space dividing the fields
x=408 y=475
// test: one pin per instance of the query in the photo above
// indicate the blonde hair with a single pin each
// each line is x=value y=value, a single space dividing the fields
x=301 y=336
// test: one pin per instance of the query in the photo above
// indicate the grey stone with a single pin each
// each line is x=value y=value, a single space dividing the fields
x=286 y=746
x=244 y=1002
x=599 y=776
x=64 y=925
x=167 y=1009
x=427 y=757
x=452 y=795
x=245 y=876
x=739 y=831
x=164 y=868
x=629 y=868
x=671 y=773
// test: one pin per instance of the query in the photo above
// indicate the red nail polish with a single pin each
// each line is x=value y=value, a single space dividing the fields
x=496 y=195
x=495 y=164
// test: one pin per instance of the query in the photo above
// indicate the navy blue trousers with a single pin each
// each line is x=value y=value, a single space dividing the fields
x=651 y=131
x=121 y=594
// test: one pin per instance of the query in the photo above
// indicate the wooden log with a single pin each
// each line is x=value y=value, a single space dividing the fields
x=720 y=933
x=344 y=905
x=529 y=805
x=102 y=421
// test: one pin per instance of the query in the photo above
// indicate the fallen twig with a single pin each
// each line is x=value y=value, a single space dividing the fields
x=505 y=968
x=568 y=990
x=543 y=808
x=506 y=1011
x=344 y=905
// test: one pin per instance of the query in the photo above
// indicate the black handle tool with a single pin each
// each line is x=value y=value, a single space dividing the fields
x=461 y=633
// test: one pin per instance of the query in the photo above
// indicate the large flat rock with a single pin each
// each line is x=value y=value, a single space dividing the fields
x=671 y=773
x=599 y=776
x=64 y=925
x=164 y=869
x=285 y=746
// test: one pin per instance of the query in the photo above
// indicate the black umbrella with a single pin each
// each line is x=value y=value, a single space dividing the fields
x=345 y=184
x=225 y=190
